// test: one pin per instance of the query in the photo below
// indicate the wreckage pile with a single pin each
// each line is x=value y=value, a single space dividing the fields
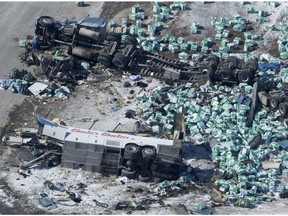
x=250 y=161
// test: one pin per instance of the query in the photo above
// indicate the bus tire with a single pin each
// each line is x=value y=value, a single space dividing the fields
x=131 y=151
x=128 y=174
x=148 y=153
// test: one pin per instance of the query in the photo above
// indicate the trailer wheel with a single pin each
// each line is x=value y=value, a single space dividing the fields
x=131 y=151
x=234 y=61
x=128 y=174
x=225 y=74
x=283 y=109
x=46 y=21
x=245 y=76
x=130 y=40
x=252 y=63
x=213 y=61
x=274 y=103
x=104 y=58
x=207 y=70
x=148 y=153
x=112 y=36
x=120 y=60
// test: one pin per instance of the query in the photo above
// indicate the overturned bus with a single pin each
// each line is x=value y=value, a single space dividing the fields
x=127 y=155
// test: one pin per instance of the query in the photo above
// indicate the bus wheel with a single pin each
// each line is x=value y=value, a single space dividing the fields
x=148 y=153
x=131 y=151
x=128 y=174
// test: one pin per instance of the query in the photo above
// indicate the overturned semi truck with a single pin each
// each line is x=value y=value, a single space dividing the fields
x=88 y=39
x=144 y=158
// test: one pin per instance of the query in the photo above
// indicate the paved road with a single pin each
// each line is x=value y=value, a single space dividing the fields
x=17 y=21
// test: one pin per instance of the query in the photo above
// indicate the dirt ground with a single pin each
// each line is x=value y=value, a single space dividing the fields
x=92 y=101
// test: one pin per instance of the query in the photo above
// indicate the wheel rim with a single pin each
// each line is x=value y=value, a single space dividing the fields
x=131 y=148
x=149 y=151
x=244 y=78
x=225 y=75
x=205 y=71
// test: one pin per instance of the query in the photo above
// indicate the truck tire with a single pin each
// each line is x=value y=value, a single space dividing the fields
x=283 y=109
x=148 y=153
x=104 y=58
x=120 y=60
x=131 y=151
x=46 y=21
x=274 y=102
x=213 y=61
x=130 y=40
x=253 y=64
x=225 y=74
x=128 y=174
x=112 y=36
x=233 y=61
x=245 y=76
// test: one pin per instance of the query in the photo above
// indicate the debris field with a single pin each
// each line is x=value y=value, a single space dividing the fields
x=152 y=111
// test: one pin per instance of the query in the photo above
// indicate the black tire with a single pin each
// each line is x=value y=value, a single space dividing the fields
x=148 y=153
x=245 y=76
x=233 y=61
x=46 y=21
x=213 y=61
x=144 y=178
x=130 y=40
x=131 y=151
x=104 y=58
x=120 y=60
x=207 y=70
x=225 y=74
x=253 y=64
x=274 y=103
x=112 y=36
x=128 y=174
x=283 y=109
